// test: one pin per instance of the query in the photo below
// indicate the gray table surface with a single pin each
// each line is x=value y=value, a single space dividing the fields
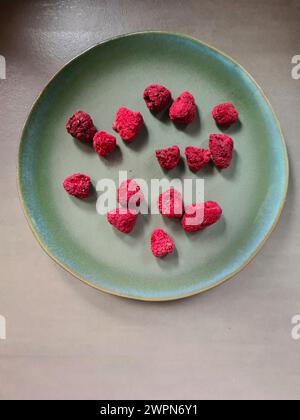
x=66 y=340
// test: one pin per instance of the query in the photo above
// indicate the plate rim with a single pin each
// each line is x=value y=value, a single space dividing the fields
x=44 y=246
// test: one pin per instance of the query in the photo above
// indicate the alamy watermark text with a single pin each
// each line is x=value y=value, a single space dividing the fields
x=296 y=67
x=2 y=328
x=2 y=67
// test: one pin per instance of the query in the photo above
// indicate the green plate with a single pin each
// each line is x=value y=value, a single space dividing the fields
x=113 y=74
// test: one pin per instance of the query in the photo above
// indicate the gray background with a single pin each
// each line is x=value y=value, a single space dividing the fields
x=66 y=340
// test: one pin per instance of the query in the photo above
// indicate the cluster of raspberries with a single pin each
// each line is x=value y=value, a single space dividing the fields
x=128 y=124
x=193 y=218
x=220 y=151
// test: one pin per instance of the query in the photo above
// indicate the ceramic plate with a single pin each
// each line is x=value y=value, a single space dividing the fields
x=113 y=74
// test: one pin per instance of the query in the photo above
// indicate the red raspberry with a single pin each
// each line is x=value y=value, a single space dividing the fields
x=104 y=143
x=122 y=219
x=168 y=158
x=81 y=126
x=221 y=149
x=225 y=114
x=199 y=216
x=127 y=190
x=128 y=124
x=183 y=109
x=196 y=157
x=170 y=204
x=78 y=185
x=157 y=97
x=161 y=243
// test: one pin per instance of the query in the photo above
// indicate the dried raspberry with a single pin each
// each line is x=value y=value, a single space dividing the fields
x=122 y=219
x=183 y=109
x=104 y=143
x=78 y=185
x=81 y=126
x=161 y=243
x=199 y=216
x=196 y=157
x=168 y=158
x=170 y=204
x=157 y=97
x=128 y=124
x=225 y=114
x=221 y=149
x=130 y=192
